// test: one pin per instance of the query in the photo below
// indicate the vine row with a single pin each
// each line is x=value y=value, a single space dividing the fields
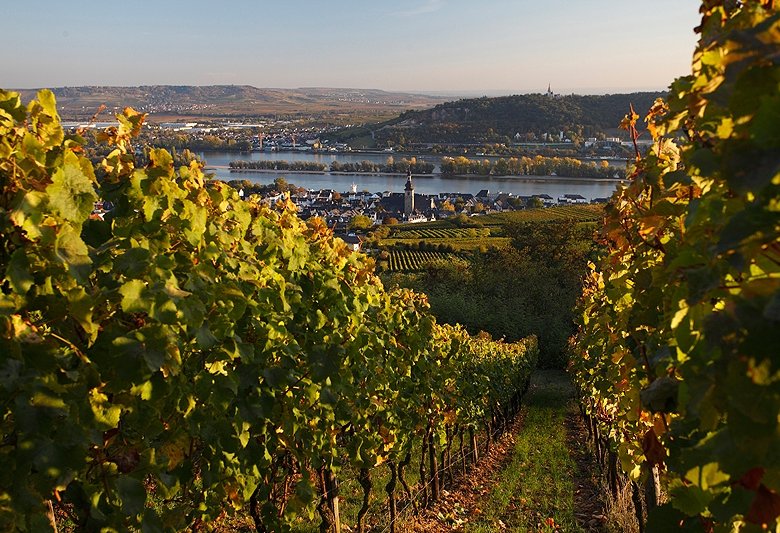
x=190 y=355
x=676 y=359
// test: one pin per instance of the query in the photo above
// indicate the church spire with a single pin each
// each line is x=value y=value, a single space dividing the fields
x=408 y=195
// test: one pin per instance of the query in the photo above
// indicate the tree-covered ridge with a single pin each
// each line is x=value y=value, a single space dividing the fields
x=677 y=356
x=480 y=120
x=193 y=355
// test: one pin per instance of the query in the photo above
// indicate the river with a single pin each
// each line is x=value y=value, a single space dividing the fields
x=555 y=186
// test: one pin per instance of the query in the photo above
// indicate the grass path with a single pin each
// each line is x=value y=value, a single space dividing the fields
x=537 y=488
x=540 y=476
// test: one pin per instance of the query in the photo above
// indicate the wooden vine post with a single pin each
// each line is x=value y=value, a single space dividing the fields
x=328 y=507
x=434 y=468
x=424 y=489
x=474 y=448
x=332 y=486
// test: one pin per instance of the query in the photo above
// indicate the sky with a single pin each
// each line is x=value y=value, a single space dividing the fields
x=438 y=46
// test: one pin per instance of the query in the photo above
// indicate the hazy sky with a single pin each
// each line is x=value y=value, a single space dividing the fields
x=424 y=45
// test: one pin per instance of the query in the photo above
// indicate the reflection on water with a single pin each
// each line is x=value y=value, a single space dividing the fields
x=524 y=186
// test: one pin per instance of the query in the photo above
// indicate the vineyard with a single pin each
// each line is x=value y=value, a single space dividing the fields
x=677 y=355
x=578 y=213
x=411 y=246
x=192 y=359
x=411 y=231
x=414 y=260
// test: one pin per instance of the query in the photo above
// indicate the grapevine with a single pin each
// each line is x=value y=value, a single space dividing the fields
x=677 y=358
x=193 y=355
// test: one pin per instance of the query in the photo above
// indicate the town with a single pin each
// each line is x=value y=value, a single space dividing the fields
x=361 y=210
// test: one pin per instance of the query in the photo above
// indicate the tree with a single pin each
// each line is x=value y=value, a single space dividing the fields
x=462 y=220
x=515 y=202
x=536 y=202
x=501 y=167
x=360 y=223
x=447 y=206
x=459 y=203
x=381 y=232
x=563 y=243
x=281 y=185
x=389 y=221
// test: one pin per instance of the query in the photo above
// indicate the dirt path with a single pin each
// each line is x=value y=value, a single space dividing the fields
x=588 y=494
x=462 y=501
x=539 y=477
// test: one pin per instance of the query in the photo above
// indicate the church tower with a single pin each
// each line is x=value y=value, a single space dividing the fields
x=408 y=194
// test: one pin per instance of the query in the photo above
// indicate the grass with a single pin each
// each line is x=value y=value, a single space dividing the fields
x=377 y=518
x=536 y=490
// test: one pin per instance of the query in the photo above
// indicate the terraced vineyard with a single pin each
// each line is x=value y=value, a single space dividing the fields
x=414 y=260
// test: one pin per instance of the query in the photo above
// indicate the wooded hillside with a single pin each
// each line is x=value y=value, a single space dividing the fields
x=499 y=119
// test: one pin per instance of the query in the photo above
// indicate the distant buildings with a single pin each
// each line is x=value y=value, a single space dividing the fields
x=572 y=199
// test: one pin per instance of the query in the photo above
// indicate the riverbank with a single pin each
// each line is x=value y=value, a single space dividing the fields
x=218 y=163
x=328 y=172
x=532 y=177
x=417 y=154
x=507 y=177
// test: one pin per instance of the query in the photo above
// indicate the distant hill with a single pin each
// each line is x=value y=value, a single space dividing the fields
x=481 y=120
x=171 y=102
